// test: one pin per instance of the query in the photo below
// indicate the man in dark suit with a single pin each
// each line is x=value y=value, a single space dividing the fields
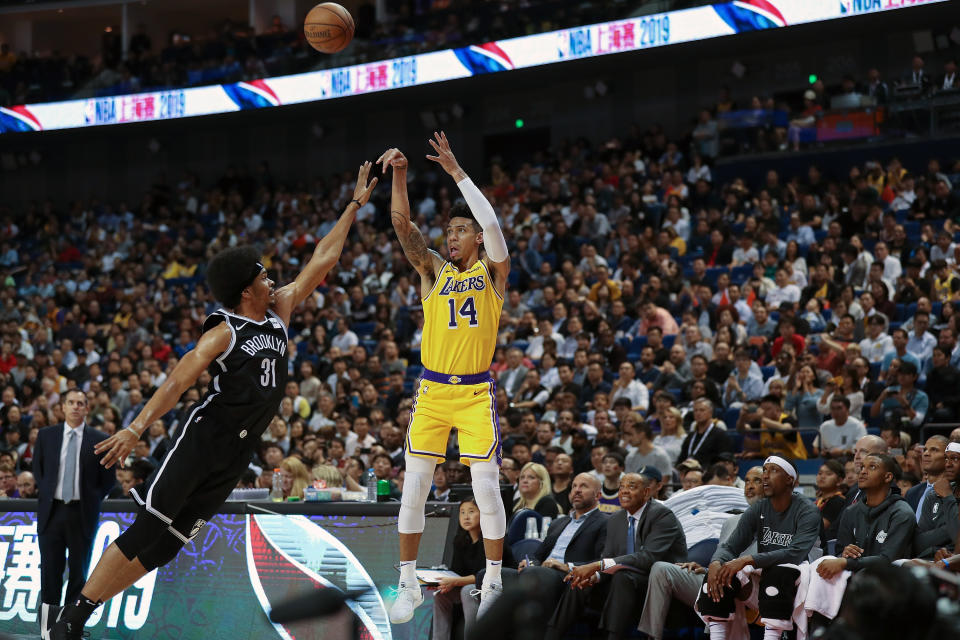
x=571 y=540
x=71 y=484
x=933 y=465
x=641 y=533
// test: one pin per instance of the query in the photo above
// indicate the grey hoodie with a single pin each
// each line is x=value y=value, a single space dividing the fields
x=884 y=532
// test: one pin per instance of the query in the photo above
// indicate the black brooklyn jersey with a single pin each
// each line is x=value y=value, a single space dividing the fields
x=249 y=377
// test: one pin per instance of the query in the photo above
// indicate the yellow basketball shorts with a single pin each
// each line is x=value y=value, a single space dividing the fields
x=440 y=406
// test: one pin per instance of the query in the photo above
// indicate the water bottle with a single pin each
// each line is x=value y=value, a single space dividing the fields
x=531 y=529
x=370 y=481
x=544 y=526
x=276 y=492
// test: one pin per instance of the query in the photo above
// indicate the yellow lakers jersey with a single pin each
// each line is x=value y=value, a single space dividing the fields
x=461 y=320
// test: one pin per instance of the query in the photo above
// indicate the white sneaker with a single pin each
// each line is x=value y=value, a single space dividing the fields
x=408 y=599
x=489 y=593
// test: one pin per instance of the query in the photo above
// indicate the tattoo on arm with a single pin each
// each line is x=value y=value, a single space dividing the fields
x=414 y=246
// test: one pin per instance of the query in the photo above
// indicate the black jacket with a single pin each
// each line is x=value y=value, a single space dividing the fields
x=586 y=544
x=659 y=538
x=716 y=443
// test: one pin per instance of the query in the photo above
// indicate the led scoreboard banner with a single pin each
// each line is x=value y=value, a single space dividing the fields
x=634 y=34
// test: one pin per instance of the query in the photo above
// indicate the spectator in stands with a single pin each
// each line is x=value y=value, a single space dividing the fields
x=838 y=435
x=561 y=475
x=745 y=385
x=770 y=431
x=789 y=336
x=535 y=491
x=903 y=400
x=653 y=316
x=468 y=561
x=830 y=499
x=609 y=489
x=639 y=535
x=627 y=386
x=785 y=527
x=804 y=123
x=672 y=434
x=646 y=452
x=803 y=396
x=948 y=80
x=877 y=343
x=707 y=438
x=943 y=381
x=921 y=342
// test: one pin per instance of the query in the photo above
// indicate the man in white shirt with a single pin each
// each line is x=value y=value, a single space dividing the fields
x=921 y=342
x=877 y=343
x=839 y=435
x=627 y=386
x=891 y=266
x=783 y=292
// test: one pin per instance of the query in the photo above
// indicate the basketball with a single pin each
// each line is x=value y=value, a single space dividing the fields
x=328 y=27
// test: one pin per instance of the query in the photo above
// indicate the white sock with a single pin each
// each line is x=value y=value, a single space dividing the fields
x=408 y=572
x=492 y=576
x=772 y=634
x=718 y=631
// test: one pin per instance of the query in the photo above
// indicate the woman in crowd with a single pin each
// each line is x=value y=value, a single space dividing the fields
x=803 y=396
x=536 y=491
x=830 y=499
x=671 y=434
x=295 y=477
x=468 y=561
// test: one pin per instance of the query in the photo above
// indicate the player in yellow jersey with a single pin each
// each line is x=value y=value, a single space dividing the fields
x=462 y=298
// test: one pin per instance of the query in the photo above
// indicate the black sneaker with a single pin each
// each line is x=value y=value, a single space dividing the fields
x=68 y=631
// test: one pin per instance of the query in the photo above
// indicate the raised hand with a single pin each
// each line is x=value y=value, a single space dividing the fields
x=361 y=193
x=392 y=158
x=444 y=157
x=118 y=447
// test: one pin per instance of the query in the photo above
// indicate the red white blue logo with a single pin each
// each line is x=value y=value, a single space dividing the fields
x=484 y=58
x=252 y=95
x=18 y=118
x=750 y=15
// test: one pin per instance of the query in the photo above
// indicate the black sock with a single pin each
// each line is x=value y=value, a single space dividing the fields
x=78 y=613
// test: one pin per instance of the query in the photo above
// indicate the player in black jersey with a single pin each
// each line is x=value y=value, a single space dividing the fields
x=244 y=347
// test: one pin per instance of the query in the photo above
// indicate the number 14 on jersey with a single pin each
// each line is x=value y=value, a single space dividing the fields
x=467 y=310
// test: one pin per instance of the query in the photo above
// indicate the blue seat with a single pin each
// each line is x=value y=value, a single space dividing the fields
x=730 y=417
x=518 y=526
x=702 y=552
x=363 y=329
x=668 y=341
x=767 y=372
x=637 y=345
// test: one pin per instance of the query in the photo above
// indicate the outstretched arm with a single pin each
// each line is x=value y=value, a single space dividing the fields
x=210 y=346
x=493 y=241
x=327 y=252
x=425 y=261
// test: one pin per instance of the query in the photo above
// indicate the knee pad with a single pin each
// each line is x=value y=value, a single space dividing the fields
x=716 y=611
x=161 y=551
x=418 y=478
x=778 y=588
x=486 y=491
x=145 y=530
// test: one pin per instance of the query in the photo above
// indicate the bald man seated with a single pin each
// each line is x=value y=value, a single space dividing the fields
x=571 y=540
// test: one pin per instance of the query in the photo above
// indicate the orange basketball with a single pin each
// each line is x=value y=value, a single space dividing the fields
x=328 y=27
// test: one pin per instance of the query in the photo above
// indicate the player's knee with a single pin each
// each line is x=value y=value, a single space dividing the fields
x=416 y=488
x=778 y=588
x=161 y=552
x=486 y=491
x=711 y=610
x=145 y=530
